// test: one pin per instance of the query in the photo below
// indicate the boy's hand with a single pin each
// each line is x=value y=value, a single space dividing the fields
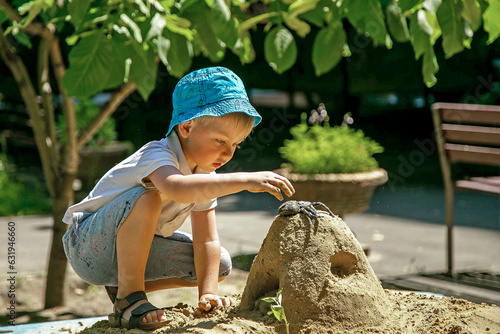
x=209 y=301
x=271 y=182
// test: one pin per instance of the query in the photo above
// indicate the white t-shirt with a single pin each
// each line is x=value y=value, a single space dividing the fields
x=131 y=172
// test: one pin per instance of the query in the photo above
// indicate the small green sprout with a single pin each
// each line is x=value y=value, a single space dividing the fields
x=277 y=309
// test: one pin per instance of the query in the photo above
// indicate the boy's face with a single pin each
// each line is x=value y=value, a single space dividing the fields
x=210 y=146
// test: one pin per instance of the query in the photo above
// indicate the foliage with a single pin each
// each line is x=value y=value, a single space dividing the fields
x=135 y=33
x=277 y=309
x=85 y=111
x=321 y=149
x=18 y=198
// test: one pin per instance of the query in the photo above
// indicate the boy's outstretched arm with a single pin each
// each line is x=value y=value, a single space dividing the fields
x=201 y=187
x=206 y=247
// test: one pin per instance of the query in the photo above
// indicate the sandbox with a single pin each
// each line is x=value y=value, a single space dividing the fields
x=328 y=286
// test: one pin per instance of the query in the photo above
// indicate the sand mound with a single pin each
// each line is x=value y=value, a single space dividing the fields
x=323 y=271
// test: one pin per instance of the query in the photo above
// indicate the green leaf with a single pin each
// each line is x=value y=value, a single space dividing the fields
x=300 y=7
x=143 y=69
x=120 y=66
x=491 y=17
x=409 y=5
x=328 y=47
x=280 y=49
x=252 y=22
x=299 y=26
x=433 y=23
x=432 y=5
x=420 y=32
x=199 y=14
x=3 y=15
x=430 y=67
x=224 y=25
x=22 y=38
x=452 y=26
x=179 y=54
x=78 y=9
x=156 y=4
x=269 y=299
x=167 y=4
x=244 y=48
x=278 y=312
x=133 y=26
x=142 y=7
x=88 y=72
x=397 y=24
x=179 y=25
x=367 y=17
x=33 y=8
x=472 y=13
x=162 y=45
x=158 y=22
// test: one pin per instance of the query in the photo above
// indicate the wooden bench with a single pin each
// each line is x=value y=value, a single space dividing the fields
x=466 y=133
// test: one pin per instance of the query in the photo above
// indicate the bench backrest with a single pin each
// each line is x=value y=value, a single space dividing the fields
x=469 y=133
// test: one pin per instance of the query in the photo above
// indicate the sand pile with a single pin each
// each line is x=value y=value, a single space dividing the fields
x=322 y=269
x=328 y=286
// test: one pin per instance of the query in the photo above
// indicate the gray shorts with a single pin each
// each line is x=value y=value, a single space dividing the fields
x=90 y=246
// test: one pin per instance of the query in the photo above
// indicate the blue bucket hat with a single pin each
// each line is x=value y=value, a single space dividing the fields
x=212 y=91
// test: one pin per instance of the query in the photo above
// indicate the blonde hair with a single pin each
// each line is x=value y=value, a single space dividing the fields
x=234 y=120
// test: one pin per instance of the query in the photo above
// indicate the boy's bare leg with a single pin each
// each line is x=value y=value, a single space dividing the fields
x=171 y=283
x=133 y=242
x=168 y=283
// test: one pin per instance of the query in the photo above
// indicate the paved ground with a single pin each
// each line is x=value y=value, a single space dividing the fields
x=398 y=245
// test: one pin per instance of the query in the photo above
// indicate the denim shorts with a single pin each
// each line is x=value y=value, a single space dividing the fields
x=90 y=246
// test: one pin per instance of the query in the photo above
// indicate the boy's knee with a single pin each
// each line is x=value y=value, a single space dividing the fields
x=225 y=264
x=151 y=199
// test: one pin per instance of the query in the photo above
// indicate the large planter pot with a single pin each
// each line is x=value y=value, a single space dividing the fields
x=96 y=161
x=342 y=193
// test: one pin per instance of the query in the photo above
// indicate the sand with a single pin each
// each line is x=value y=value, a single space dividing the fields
x=328 y=287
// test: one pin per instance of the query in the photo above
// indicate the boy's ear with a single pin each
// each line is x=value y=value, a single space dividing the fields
x=185 y=128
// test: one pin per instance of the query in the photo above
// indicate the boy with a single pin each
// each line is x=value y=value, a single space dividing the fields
x=123 y=234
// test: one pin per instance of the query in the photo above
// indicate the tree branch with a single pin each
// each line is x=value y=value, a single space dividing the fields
x=32 y=28
x=69 y=161
x=106 y=111
x=45 y=90
x=16 y=66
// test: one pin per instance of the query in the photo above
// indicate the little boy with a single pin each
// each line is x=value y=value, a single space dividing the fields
x=124 y=236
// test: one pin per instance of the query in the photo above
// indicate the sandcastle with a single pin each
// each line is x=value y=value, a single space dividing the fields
x=321 y=267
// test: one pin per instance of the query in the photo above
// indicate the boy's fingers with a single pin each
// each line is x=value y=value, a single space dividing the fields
x=287 y=187
x=226 y=301
x=205 y=304
x=276 y=191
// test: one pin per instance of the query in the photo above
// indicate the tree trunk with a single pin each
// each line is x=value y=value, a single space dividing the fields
x=56 y=272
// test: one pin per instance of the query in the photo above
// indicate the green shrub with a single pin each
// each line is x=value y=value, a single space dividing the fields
x=18 y=198
x=85 y=111
x=321 y=149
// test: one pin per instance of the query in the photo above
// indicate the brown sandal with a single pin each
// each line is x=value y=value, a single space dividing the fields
x=121 y=305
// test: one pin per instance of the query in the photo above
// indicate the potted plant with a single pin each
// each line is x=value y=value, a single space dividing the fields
x=332 y=165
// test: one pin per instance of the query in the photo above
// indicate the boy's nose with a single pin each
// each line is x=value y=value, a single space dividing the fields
x=228 y=151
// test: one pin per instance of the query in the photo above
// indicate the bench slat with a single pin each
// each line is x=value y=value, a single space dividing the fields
x=471 y=134
x=494 y=180
x=473 y=154
x=468 y=113
x=478 y=186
